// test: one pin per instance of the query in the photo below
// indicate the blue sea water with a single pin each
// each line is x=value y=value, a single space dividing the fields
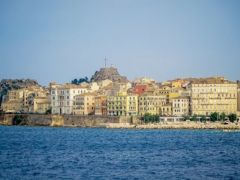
x=88 y=153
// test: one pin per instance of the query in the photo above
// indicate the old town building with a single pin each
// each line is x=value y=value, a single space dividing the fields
x=166 y=110
x=180 y=106
x=25 y=100
x=84 y=104
x=150 y=103
x=122 y=105
x=62 y=97
x=213 y=95
x=101 y=105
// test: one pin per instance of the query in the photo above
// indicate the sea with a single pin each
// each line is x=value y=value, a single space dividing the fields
x=97 y=153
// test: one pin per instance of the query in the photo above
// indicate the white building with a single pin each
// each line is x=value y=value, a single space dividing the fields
x=62 y=97
x=180 y=106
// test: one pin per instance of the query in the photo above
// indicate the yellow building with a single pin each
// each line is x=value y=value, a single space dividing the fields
x=22 y=100
x=238 y=97
x=84 y=104
x=132 y=105
x=41 y=104
x=122 y=105
x=213 y=95
x=178 y=83
x=166 y=110
x=180 y=106
x=163 y=90
x=32 y=93
x=150 y=103
x=13 y=101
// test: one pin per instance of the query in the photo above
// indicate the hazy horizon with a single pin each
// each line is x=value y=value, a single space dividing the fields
x=61 y=40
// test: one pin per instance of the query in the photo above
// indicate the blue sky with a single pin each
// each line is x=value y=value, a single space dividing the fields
x=58 y=40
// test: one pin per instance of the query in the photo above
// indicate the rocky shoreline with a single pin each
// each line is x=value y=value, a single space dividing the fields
x=177 y=125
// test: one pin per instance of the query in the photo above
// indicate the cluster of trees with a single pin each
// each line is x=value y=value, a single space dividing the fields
x=213 y=117
x=81 y=80
x=148 y=118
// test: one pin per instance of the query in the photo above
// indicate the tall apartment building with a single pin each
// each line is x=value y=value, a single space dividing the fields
x=84 y=104
x=132 y=104
x=62 y=97
x=213 y=95
x=180 y=106
x=122 y=105
x=150 y=103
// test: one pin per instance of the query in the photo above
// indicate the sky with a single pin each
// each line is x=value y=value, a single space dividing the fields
x=59 y=40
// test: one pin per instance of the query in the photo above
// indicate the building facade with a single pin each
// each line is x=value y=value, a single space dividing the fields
x=149 y=103
x=166 y=110
x=122 y=105
x=22 y=100
x=84 y=104
x=132 y=105
x=238 y=98
x=180 y=106
x=41 y=105
x=101 y=105
x=13 y=101
x=216 y=95
x=62 y=97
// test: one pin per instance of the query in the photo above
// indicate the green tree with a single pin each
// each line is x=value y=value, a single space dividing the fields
x=80 y=80
x=194 y=118
x=203 y=118
x=186 y=118
x=148 y=118
x=222 y=116
x=214 y=116
x=232 y=117
x=75 y=81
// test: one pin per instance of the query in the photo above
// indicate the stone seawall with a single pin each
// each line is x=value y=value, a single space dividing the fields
x=88 y=121
x=108 y=122
x=62 y=120
x=27 y=119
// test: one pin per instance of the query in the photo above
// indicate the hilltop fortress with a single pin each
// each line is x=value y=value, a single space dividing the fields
x=109 y=73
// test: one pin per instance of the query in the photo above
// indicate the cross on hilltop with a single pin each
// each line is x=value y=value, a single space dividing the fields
x=105 y=60
x=105 y=63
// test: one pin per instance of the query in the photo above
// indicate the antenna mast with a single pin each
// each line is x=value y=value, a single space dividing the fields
x=105 y=60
